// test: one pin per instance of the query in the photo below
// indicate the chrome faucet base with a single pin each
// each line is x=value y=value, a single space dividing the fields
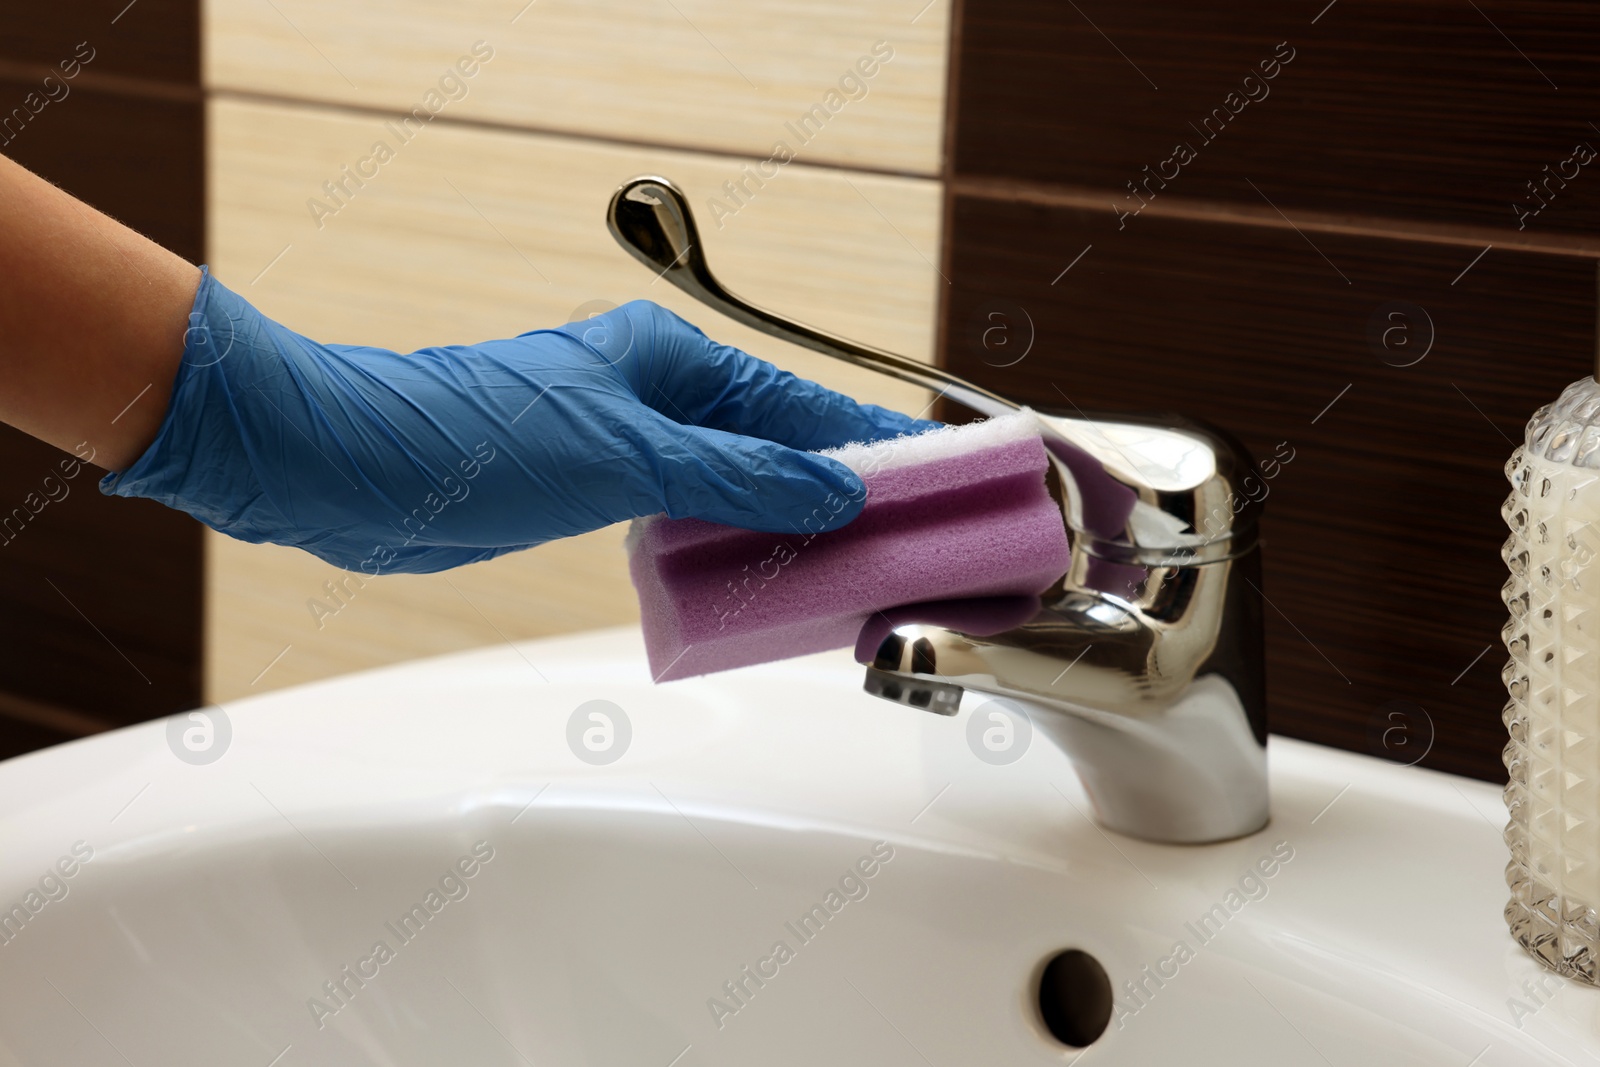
x=1144 y=661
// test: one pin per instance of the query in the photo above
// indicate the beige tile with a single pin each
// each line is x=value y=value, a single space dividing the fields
x=689 y=73
x=286 y=613
x=468 y=234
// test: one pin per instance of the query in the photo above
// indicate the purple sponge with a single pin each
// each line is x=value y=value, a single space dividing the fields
x=957 y=512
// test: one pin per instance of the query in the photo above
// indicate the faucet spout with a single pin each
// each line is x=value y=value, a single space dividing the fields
x=1157 y=698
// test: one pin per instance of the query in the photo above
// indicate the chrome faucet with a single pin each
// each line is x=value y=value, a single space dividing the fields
x=1144 y=661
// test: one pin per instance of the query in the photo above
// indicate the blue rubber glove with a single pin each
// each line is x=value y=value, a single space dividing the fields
x=381 y=462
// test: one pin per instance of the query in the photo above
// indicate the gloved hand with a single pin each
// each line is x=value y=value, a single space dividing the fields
x=381 y=462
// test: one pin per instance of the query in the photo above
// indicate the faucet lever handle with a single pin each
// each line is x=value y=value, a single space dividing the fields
x=650 y=217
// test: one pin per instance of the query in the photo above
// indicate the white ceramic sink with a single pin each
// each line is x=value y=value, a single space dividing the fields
x=617 y=900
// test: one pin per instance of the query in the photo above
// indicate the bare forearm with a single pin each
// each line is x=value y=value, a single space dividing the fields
x=92 y=320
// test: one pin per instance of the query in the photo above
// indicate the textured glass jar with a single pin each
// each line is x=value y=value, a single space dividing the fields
x=1553 y=679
